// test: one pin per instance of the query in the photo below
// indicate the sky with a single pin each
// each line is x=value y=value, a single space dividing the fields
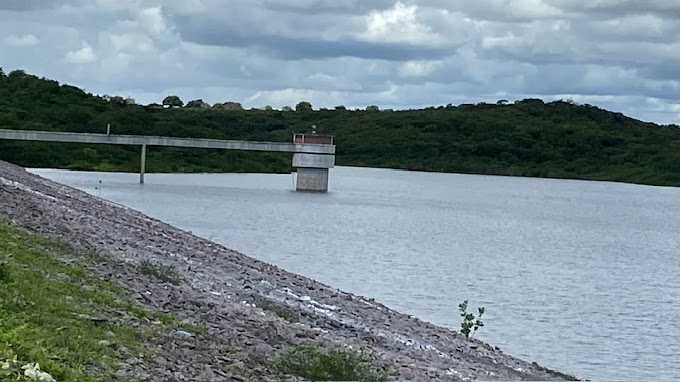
x=621 y=55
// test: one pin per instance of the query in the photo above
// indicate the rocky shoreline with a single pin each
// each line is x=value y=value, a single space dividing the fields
x=252 y=308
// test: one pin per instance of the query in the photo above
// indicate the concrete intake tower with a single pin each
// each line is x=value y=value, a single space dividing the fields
x=312 y=169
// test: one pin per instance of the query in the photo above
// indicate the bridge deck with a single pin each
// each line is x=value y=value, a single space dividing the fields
x=50 y=136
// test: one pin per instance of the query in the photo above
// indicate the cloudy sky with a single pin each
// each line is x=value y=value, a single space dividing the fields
x=622 y=55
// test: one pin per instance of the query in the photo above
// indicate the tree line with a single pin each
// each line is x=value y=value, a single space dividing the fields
x=528 y=137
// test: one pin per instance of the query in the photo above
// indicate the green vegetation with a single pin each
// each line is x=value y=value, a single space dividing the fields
x=277 y=308
x=192 y=328
x=317 y=364
x=54 y=318
x=161 y=272
x=527 y=138
x=153 y=316
x=469 y=324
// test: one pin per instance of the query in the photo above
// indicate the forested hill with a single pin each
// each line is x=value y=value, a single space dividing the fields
x=525 y=138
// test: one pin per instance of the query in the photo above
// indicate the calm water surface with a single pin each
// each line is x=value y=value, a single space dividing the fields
x=579 y=276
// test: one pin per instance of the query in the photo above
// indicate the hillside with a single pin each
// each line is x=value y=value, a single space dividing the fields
x=526 y=138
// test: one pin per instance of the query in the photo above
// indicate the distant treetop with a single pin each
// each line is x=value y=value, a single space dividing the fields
x=303 y=106
x=173 y=101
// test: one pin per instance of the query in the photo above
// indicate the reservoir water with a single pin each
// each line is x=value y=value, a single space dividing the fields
x=578 y=276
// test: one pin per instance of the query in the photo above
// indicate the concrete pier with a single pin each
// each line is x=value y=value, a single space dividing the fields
x=312 y=179
x=142 y=164
x=312 y=169
x=313 y=154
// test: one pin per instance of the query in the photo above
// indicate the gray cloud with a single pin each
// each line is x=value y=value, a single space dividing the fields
x=27 y=5
x=310 y=48
x=289 y=31
x=620 y=54
x=610 y=9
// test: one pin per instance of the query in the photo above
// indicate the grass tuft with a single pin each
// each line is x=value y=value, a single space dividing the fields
x=146 y=314
x=318 y=364
x=276 y=308
x=192 y=328
x=165 y=273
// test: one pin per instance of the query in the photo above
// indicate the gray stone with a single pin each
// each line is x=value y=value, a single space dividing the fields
x=183 y=333
x=122 y=374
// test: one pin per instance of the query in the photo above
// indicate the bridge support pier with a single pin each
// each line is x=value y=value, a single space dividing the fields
x=142 y=164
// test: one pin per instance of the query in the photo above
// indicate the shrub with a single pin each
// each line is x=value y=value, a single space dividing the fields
x=469 y=324
x=165 y=273
x=315 y=364
x=276 y=308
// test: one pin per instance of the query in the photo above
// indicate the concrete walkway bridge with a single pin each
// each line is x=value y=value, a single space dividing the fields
x=313 y=154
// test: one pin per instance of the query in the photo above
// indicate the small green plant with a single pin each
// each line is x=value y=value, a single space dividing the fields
x=276 y=308
x=192 y=328
x=165 y=273
x=316 y=364
x=470 y=324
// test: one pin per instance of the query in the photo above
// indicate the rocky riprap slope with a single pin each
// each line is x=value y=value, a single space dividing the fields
x=251 y=310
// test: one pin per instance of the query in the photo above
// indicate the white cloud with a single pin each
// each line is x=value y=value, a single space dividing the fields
x=152 y=20
x=21 y=41
x=418 y=68
x=129 y=42
x=534 y=9
x=84 y=55
x=398 y=24
x=506 y=41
